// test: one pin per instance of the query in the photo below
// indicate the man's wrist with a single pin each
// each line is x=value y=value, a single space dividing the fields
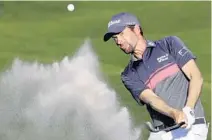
x=173 y=113
x=189 y=110
x=189 y=105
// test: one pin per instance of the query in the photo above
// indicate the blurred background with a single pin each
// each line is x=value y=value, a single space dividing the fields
x=47 y=32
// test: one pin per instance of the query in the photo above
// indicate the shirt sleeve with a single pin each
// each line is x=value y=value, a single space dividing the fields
x=135 y=86
x=179 y=51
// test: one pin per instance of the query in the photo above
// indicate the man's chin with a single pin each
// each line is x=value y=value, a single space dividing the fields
x=129 y=52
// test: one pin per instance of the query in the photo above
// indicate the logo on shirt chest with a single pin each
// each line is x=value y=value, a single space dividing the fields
x=163 y=58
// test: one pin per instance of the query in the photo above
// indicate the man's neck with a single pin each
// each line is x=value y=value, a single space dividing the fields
x=139 y=49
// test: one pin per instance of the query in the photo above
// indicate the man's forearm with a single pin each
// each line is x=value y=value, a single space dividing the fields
x=158 y=104
x=195 y=87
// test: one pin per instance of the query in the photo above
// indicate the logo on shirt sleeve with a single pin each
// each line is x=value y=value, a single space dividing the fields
x=183 y=51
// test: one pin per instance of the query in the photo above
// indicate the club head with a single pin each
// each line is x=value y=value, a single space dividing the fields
x=150 y=127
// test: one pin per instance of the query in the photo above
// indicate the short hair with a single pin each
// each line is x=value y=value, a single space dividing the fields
x=133 y=26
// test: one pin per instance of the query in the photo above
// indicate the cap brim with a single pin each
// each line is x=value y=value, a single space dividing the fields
x=107 y=36
x=113 y=31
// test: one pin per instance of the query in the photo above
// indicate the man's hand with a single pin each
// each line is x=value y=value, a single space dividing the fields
x=149 y=97
x=189 y=112
x=180 y=116
x=187 y=116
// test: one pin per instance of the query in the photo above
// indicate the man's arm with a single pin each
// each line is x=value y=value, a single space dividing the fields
x=185 y=60
x=193 y=73
x=149 y=97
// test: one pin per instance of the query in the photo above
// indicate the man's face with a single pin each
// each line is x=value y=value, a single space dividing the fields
x=126 y=40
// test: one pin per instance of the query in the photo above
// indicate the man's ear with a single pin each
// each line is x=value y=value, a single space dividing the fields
x=137 y=30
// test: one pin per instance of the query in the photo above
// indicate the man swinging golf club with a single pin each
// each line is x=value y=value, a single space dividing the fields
x=162 y=75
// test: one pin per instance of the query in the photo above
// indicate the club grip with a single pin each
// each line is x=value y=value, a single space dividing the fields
x=152 y=129
x=174 y=126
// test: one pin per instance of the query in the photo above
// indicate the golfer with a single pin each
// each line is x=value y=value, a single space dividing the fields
x=163 y=76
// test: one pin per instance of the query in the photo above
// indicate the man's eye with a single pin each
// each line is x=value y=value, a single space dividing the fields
x=114 y=37
x=121 y=33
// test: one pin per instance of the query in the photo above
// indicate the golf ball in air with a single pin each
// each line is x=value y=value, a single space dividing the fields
x=70 y=7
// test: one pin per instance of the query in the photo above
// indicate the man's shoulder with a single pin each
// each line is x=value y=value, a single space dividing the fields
x=167 y=39
x=127 y=70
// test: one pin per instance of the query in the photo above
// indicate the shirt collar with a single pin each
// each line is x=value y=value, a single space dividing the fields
x=149 y=44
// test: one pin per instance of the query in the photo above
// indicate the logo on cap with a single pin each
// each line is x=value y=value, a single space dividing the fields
x=113 y=22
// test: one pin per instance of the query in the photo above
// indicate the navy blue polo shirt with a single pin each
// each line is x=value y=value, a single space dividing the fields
x=160 y=70
x=161 y=59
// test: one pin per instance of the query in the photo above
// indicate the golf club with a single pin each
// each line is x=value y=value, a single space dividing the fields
x=152 y=129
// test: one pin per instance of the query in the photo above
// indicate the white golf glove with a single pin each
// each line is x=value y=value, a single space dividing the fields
x=189 y=112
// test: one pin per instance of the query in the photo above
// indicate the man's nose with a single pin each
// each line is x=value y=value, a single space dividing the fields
x=118 y=41
x=119 y=44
